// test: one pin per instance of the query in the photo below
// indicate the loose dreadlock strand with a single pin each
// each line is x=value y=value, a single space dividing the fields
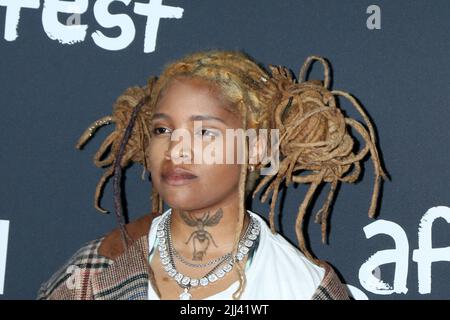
x=126 y=239
x=161 y=204
x=307 y=64
x=145 y=134
x=103 y=148
x=99 y=189
x=87 y=134
x=272 y=205
x=300 y=218
x=322 y=214
x=377 y=166
x=155 y=200
x=242 y=211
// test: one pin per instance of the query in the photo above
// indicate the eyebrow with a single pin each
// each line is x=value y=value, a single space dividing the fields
x=191 y=118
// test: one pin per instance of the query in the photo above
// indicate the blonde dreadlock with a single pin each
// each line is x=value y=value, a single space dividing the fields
x=314 y=138
x=313 y=131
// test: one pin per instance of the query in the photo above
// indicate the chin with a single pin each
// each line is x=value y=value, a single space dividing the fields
x=181 y=200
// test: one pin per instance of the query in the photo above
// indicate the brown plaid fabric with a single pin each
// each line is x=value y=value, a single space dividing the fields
x=88 y=275
x=330 y=288
x=73 y=280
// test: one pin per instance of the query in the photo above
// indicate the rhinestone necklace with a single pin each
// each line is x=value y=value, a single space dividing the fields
x=166 y=254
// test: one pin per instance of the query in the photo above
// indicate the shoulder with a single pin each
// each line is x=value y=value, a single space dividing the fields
x=73 y=279
x=66 y=281
x=297 y=277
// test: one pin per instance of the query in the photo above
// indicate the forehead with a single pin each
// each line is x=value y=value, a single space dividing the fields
x=189 y=96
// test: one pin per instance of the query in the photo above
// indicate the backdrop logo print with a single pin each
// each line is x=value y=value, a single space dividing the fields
x=373 y=21
x=4 y=230
x=425 y=255
x=216 y=148
x=72 y=31
x=74 y=19
x=74 y=281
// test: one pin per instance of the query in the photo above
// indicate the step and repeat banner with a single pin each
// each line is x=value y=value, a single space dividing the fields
x=64 y=63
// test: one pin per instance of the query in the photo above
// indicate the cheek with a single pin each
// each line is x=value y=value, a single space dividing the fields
x=220 y=178
x=155 y=156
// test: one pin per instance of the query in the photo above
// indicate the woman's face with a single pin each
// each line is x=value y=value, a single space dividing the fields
x=191 y=185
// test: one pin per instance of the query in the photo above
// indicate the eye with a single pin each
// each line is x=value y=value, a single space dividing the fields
x=159 y=130
x=209 y=133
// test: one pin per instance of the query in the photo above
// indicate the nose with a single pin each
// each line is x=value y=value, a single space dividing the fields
x=179 y=151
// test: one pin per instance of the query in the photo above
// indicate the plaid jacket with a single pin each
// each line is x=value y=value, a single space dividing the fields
x=102 y=270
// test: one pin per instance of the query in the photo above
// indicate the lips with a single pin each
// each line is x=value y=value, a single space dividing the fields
x=177 y=176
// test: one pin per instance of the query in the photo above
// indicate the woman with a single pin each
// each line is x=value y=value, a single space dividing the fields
x=207 y=245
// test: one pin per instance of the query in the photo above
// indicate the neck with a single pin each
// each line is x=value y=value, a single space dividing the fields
x=202 y=235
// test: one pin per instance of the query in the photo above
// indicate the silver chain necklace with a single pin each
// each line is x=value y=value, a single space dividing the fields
x=166 y=254
x=198 y=265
